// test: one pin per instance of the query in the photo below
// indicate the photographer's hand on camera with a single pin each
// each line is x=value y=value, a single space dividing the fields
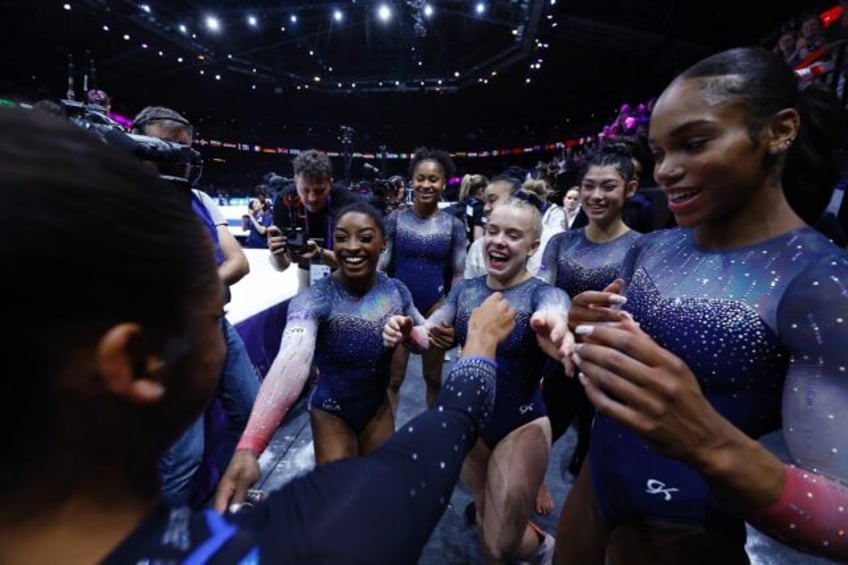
x=280 y=257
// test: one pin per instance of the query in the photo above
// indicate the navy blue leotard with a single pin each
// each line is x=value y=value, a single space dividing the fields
x=764 y=328
x=427 y=254
x=520 y=360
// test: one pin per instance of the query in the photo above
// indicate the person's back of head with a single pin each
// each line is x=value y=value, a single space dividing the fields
x=133 y=263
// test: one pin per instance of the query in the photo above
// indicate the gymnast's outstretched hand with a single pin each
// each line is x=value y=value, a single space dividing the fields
x=553 y=335
x=241 y=474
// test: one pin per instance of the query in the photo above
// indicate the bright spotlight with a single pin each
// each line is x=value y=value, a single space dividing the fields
x=337 y=15
x=293 y=18
x=384 y=13
x=145 y=8
x=213 y=23
x=252 y=21
x=428 y=10
x=480 y=8
x=183 y=28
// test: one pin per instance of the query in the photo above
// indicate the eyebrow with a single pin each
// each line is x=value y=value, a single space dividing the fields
x=683 y=128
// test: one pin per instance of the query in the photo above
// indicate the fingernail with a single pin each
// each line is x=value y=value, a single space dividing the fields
x=235 y=507
x=581 y=377
x=584 y=329
x=617 y=299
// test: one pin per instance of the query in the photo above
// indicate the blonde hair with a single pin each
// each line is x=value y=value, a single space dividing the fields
x=471 y=184
x=539 y=187
x=519 y=204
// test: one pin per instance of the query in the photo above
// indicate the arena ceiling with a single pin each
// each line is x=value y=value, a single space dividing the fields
x=447 y=65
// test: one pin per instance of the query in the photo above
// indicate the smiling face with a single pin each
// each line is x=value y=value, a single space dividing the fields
x=511 y=236
x=357 y=243
x=706 y=160
x=603 y=192
x=428 y=182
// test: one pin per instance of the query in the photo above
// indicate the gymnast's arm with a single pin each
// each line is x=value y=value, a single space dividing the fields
x=280 y=389
x=806 y=505
x=382 y=508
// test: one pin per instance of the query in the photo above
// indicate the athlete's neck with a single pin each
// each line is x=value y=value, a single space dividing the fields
x=599 y=233
x=427 y=210
x=502 y=284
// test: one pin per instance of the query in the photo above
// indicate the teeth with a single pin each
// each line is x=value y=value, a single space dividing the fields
x=498 y=256
x=677 y=196
x=354 y=260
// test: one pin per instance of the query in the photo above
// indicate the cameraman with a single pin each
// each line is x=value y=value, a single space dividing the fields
x=238 y=384
x=303 y=217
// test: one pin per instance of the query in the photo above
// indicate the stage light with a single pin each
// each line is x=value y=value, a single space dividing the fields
x=202 y=72
x=126 y=37
x=144 y=45
x=293 y=18
x=105 y=28
x=480 y=8
x=161 y=54
x=252 y=21
x=145 y=8
x=337 y=15
x=253 y=87
x=428 y=10
x=217 y=77
x=183 y=28
x=254 y=69
x=213 y=23
x=179 y=59
x=384 y=13
x=456 y=74
x=67 y=7
x=316 y=78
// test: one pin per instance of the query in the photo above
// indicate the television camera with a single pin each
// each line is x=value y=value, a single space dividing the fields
x=93 y=118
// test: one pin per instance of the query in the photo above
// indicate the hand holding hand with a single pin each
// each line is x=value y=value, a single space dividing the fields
x=242 y=472
x=442 y=336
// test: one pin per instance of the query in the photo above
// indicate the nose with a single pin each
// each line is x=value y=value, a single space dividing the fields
x=667 y=172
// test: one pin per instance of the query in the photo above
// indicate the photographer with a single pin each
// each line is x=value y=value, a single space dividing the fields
x=303 y=219
x=238 y=384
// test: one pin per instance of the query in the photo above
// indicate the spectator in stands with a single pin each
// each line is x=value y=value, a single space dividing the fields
x=121 y=361
x=257 y=221
x=571 y=205
x=238 y=383
x=302 y=230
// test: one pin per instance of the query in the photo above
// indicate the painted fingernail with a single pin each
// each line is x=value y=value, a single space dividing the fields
x=581 y=377
x=617 y=299
x=234 y=507
x=584 y=329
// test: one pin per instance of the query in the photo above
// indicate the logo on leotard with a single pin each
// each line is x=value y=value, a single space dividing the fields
x=294 y=331
x=525 y=408
x=658 y=487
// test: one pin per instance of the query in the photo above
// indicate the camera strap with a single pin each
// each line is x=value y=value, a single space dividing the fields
x=328 y=240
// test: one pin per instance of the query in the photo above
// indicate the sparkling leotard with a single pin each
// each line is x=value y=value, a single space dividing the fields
x=427 y=254
x=344 y=331
x=575 y=264
x=519 y=358
x=764 y=328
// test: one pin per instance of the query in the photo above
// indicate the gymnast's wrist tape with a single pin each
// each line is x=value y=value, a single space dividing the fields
x=470 y=387
x=811 y=513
